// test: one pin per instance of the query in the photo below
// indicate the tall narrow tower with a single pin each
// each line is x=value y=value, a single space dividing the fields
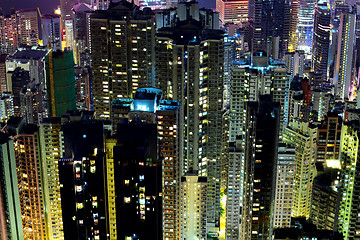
x=189 y=69
x=321 y=40
x=125 y=63
x=344 y=57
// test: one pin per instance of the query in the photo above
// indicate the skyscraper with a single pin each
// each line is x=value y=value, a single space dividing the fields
x=325 y=200
x=259 y=77
x=52 y=25
x=50 y=154
x=289 y=41
x=138 y=181
x=9 y=32
x=284 y=186
x=81 y=21
x=28 y=27
x=3 y=82
x=126 y=63
x=193 y=206
x=169 y=127
x=349 y=181
x=344 y=57
x=321 y=40
x=81 y=176
x=10 y=214
x=189 y=69
x=328 y=140
x=166 y=115
x=27 y=156
x=233 y=11
x=302 y=135
x=148 y=107
x=32 y=106
x=305 y=26
x=65 y=7
x=260 y=167
x=234 y=193
x=60 y=91
x=83 y=87
x=19 y=79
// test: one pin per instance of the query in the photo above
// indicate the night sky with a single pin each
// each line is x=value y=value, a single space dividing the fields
x=47 y=6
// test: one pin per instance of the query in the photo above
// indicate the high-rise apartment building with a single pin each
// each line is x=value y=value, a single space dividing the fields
x=189 y=69
x=28 y=27
x=320 y=104
x=250 y=81
x=284 y=186
x=8 y=32
x=83 y=87
x=148 y=107
x=81 y=21
x=125 y=63
x=166 y=115
x=193 y=206
x=138 y=182
x=233 y=11
x=325 y=200
x=328 y=140
x=234 y=190
x=81 y=175
x=295 y=62
x=50 y=154
x=169 y=127
x=3 y=82
x=260 y=167
x=349 y=181
x=27 y=156
x=225 y=152
x=32 y=105
x=321 y=40
x=344 y=56
x=6 y=106
x=302 y=135
x=53 y=32
x=10 y=214
x=19 y=79
x=233 y=46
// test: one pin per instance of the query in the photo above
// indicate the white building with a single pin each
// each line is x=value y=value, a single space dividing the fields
x=234 y=191
x=344 y=58
x=193 y=207
x=284 y=186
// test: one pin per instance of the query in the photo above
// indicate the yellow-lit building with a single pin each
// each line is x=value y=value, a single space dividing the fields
x=193 y=206
x=349 y=202
x=26 y=148
x=302 y=135
x=50 y=154
x=235 y=11
x=110 y=143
